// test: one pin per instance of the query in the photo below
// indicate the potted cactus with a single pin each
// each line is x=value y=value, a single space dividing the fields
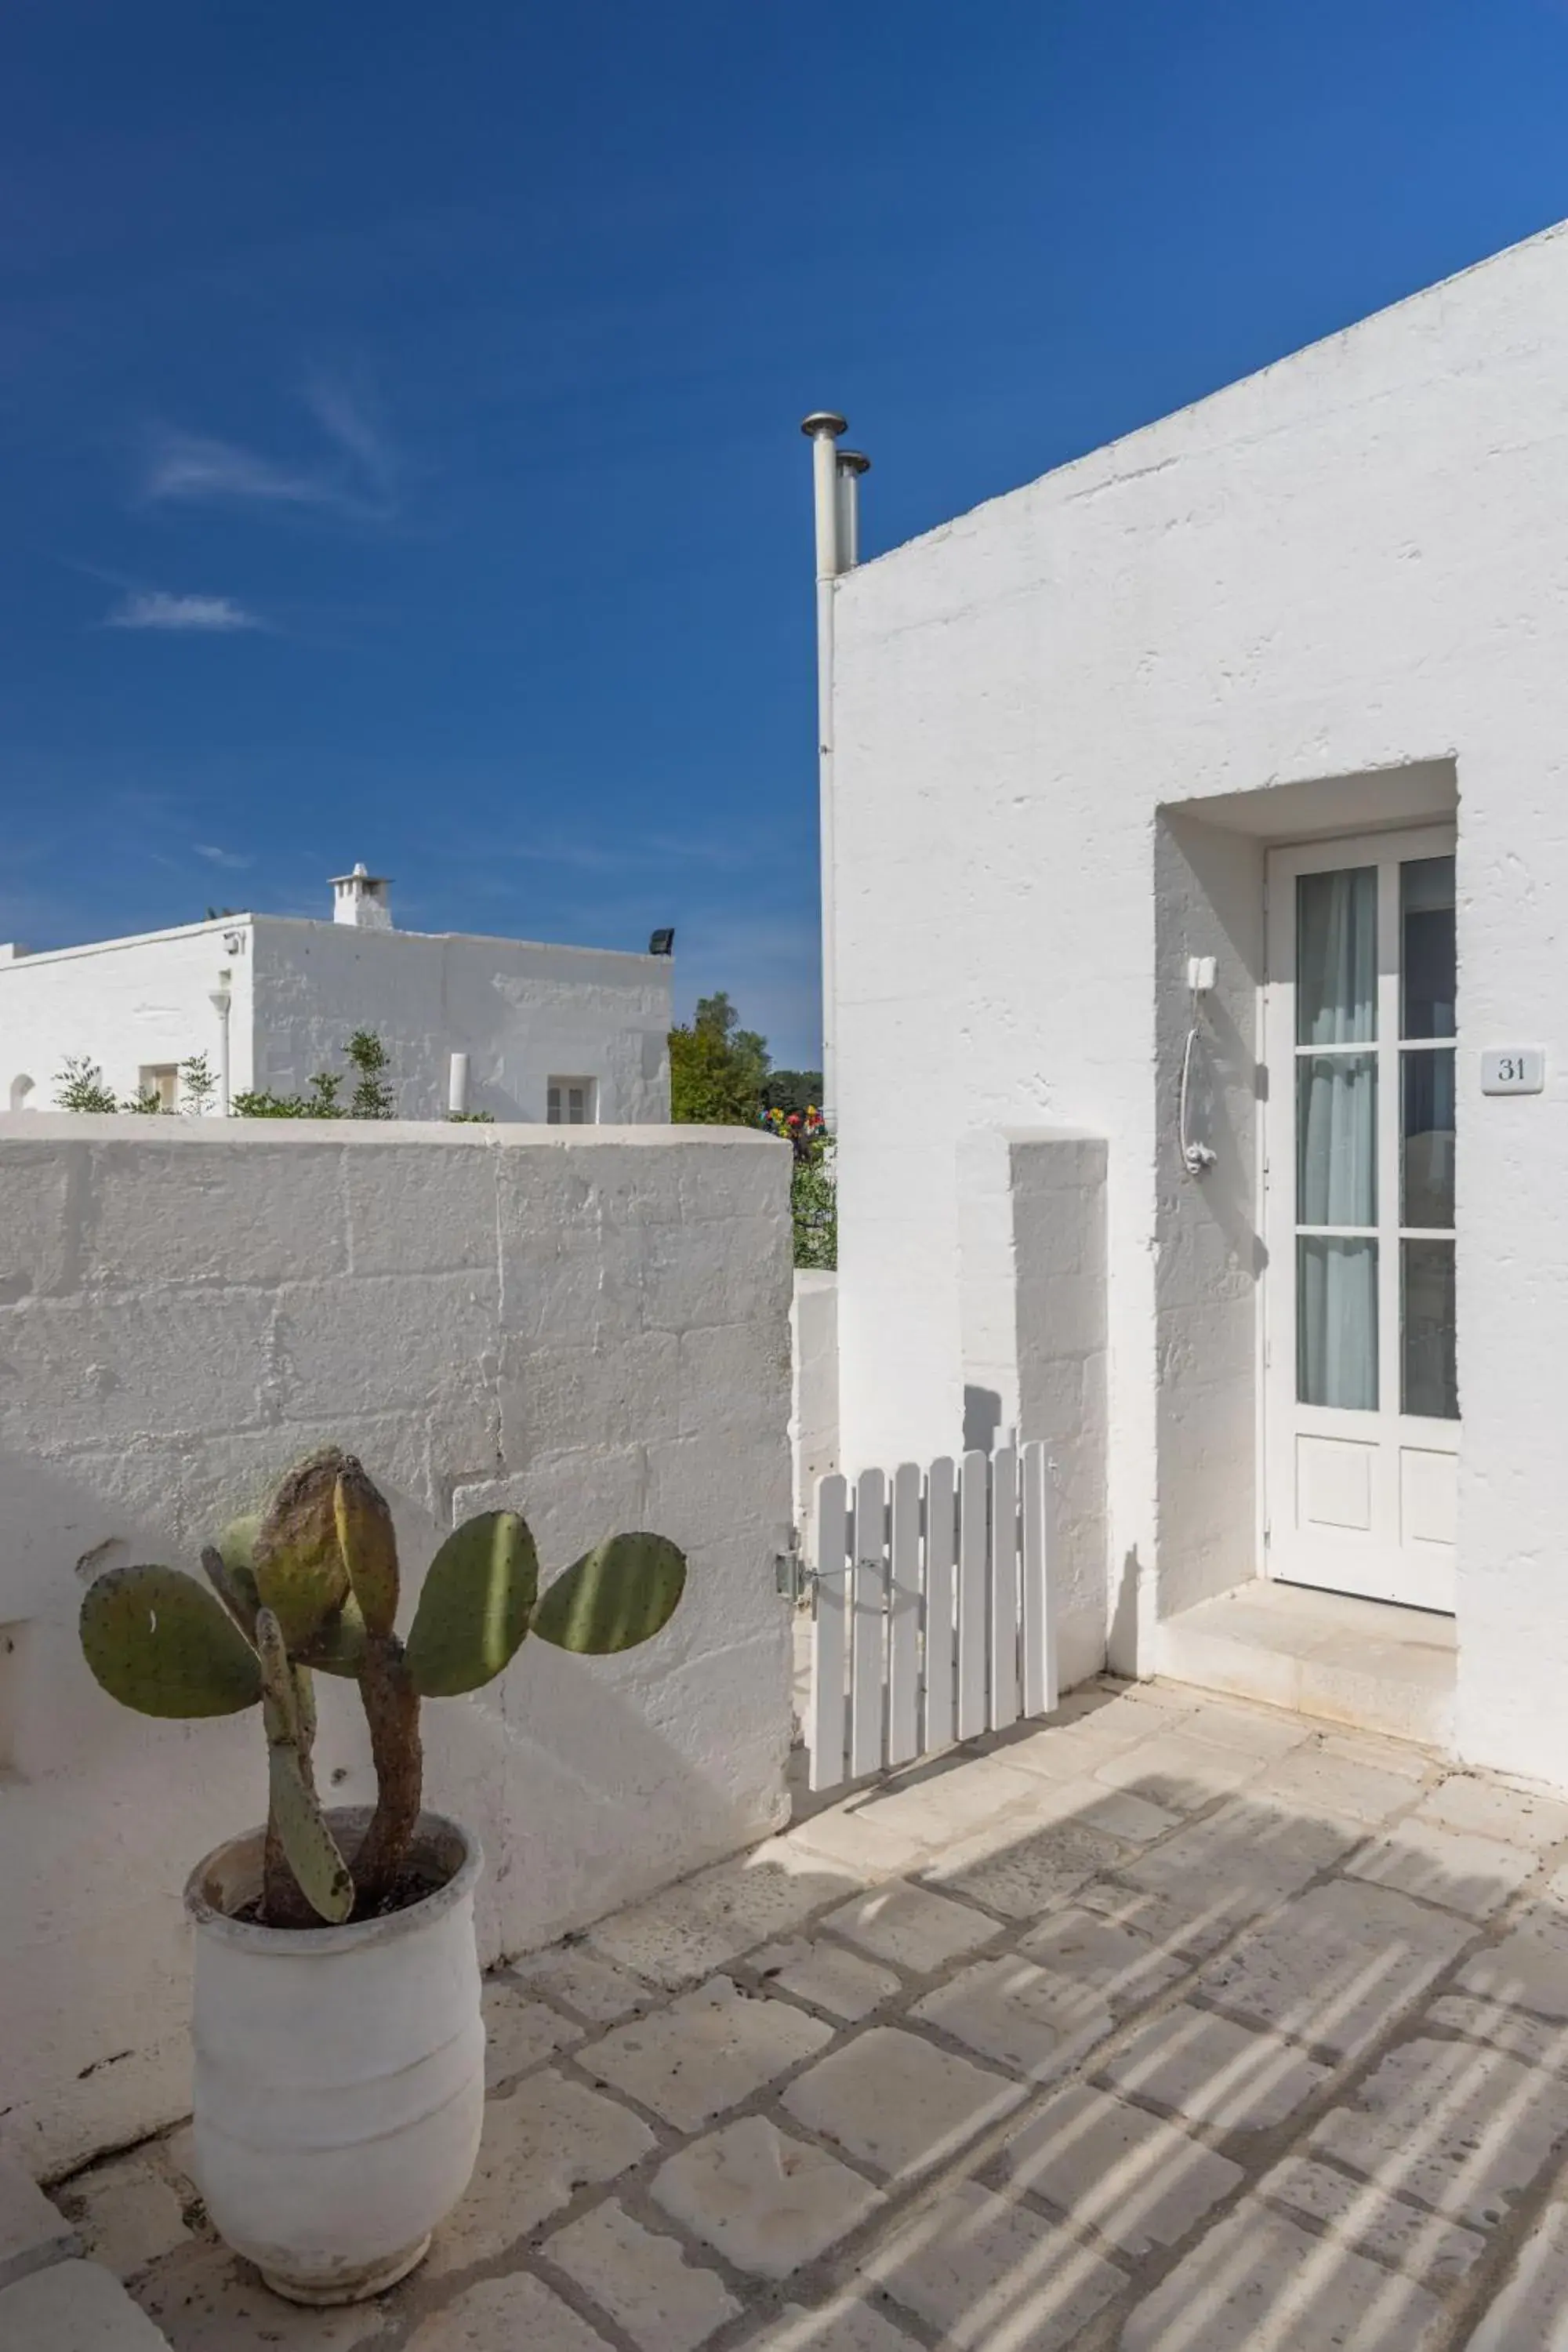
x=338 y=2044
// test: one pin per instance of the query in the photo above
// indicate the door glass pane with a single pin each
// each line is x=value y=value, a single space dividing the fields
x=1430 y=1379
x=1336 y=957
x=1336 y=1322
x=1427 y=1141
x=1427 y=956
x=1336 y=1140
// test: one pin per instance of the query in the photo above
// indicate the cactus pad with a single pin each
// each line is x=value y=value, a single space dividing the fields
x=620 y=1593
x=297 y=1559
x=323 y=1875
x=158 y=1642
x=369 y=1546
x=474 y=1608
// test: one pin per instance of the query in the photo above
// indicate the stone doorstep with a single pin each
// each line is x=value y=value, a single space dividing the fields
x=74 y=2306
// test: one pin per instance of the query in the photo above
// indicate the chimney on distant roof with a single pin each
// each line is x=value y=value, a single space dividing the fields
x=360 y=899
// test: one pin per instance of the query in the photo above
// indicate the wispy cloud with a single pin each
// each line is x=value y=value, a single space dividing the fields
x=156 y=608
x=229 y=859
x=356 y=476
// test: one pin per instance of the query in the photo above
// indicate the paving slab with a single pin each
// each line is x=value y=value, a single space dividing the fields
x=814 y=1970
x=897 y=2103
x=1105 y=1956
x=912 y=1928
x=642 y=2279
x=707 y=2052
x=1179 y=1772
x=594 y=1989
x=1023 y=1872
x=1533 y=2039
x=541 y=2143
x=1532 y=2308
x=1118 y=2170
x=1466 y=2128
x=1474 y=1876
x=1260 y=2283
x=520 y=2032
x=680 y=1936
x=502 y=2316
x=33 y=2231
x=765 y=2201
x=128 y=2213
x=1395 y=2232
x=845 y=2324
x=1337 y=1965
x=1483 y=1808
x=990 y=2275
x=1214 y=2070
x=1028 y=2020
x=1528 y=1968
x=73 y=2306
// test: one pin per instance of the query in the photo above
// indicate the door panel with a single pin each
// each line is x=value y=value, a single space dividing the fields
x=1361 y=1391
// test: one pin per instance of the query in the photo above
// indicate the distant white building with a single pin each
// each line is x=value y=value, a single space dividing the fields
x=523 y=1031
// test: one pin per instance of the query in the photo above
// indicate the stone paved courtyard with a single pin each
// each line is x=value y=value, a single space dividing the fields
x=1171 y=2025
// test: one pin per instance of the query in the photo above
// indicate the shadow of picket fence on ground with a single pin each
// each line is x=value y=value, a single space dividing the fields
x=1172 y=2026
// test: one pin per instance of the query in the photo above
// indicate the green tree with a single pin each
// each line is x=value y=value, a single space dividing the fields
x=793 y=1090
x=814 y=1206
x=716 y=1069
x=79 y=1087
x=372 y=1097
x=200 y=1082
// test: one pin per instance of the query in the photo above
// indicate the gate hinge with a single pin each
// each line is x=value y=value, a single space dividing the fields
x=790 y=1573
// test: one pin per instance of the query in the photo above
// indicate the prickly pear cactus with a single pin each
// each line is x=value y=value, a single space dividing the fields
x=314 y=1583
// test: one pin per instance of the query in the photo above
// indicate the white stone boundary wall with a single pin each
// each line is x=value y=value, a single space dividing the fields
x=814 y=1404
x=590 y=1325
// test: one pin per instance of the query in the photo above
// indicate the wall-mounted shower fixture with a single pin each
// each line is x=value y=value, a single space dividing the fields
x=1197 y=1158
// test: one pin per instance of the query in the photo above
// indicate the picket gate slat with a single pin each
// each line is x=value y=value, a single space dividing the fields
x=973 y=1571
x=1037 y=1619
x=933 y=1607
x=869 y=1637
x=1003 y=1626
x=904 y=1618
x=825 y=1722
x=941 y=1629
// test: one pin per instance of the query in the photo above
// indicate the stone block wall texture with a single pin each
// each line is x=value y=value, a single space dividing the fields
x=590 y=1325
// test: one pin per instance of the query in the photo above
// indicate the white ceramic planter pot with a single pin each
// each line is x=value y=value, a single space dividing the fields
x=338 y=2071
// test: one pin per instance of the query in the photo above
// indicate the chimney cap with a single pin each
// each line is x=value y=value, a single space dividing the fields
x=824 y=421
x=852 y=461
x=360 y=874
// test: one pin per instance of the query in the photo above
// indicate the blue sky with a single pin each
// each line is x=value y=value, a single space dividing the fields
x=398 y=406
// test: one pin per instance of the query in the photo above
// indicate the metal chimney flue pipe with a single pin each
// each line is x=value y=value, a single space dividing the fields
x=851 y=464
x=823 y=428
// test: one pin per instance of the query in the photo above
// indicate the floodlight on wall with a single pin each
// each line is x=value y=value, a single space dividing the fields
x=662 y=943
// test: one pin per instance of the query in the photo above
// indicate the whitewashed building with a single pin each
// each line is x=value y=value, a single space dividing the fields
x=1196 y=868
x=526 y=1032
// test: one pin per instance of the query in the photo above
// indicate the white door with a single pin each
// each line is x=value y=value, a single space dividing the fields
x=1361 y=1394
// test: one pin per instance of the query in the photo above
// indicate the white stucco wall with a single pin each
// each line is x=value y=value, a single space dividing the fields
x=125 y=1005
x=592 y=1328
x=522 y=1013
x=1344 y=568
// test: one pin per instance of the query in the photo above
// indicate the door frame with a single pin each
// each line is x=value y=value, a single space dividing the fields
x=1284 y=861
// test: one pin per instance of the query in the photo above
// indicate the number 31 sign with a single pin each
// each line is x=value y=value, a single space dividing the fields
x=1513 y=1070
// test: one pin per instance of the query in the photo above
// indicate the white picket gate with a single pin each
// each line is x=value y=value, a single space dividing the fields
x=934 y=1616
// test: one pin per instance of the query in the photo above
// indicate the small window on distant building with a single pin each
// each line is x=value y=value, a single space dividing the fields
x=572 y=1102
x=162 y=1079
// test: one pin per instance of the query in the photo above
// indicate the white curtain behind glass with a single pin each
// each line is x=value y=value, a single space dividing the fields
x=1336 y=1112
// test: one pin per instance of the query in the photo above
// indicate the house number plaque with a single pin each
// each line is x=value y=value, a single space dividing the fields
x=1513 y=1070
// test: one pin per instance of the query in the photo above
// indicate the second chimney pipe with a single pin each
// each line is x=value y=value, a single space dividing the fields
x=822 y=429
